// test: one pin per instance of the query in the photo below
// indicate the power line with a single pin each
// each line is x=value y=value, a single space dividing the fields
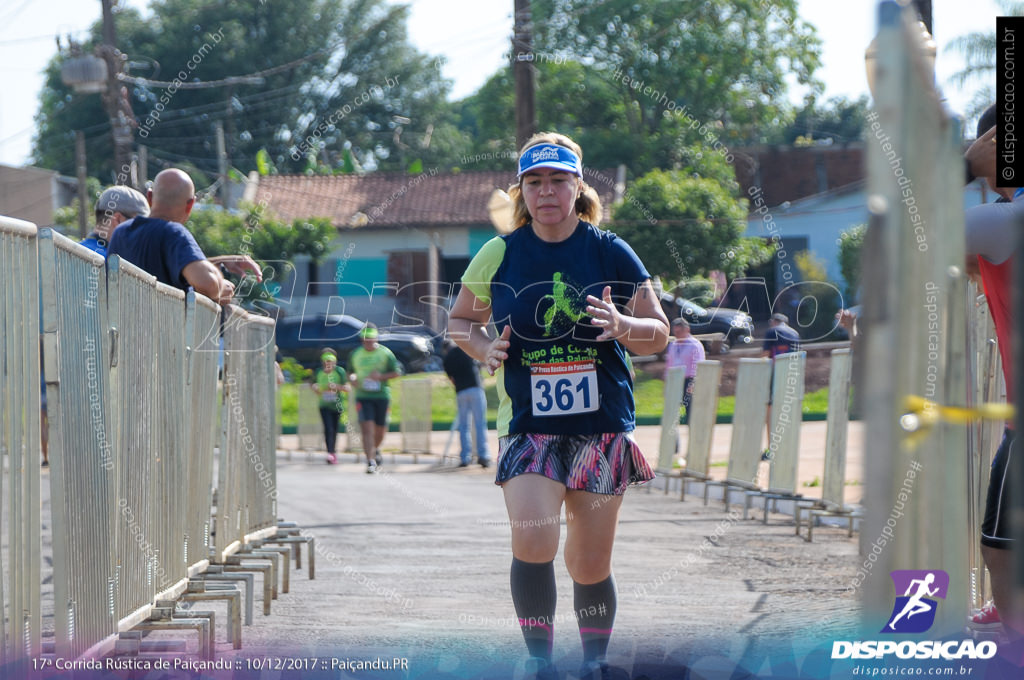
x=232 y=80
x=10 y=17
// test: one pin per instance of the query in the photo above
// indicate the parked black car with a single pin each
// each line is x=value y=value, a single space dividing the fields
x=734 y=324
x=303 y=337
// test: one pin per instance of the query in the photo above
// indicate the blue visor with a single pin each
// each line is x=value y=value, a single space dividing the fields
x=550 y=156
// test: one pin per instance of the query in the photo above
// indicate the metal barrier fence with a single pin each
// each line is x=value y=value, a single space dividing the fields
x=82 y=456
x=913 y=324
x=353 y=435
x=19 y=441
x=131 y=374
x=202 y=329
x=702 y=420
x=985 y=380
x=833 y=484
x=669 y=441
x=163 y=375
x=132 y=304
x=247 y=472
x=416 y=422
x=786 y=418
x=310 y=429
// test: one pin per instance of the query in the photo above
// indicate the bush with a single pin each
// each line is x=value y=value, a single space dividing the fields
x=819 y=302
x=851 y=242
x=294 y=372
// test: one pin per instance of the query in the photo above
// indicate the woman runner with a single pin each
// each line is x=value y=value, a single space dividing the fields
x=567 y=300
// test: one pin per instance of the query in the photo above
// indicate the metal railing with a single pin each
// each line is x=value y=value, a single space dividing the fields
x=132 y=385
x=914 y=316
x=20 y=441
x=202 y=328
x=77 y=351
x=416 y=422
x=247 y=472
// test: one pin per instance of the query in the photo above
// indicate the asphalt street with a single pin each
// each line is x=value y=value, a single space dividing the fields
x=413 y=563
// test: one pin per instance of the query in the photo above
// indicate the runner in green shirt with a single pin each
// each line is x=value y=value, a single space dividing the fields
x=330 y=384
x=372 y=366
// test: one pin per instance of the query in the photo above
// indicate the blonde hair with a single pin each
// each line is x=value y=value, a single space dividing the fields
x=588 y=204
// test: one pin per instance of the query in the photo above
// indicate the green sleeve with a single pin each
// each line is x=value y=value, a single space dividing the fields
x=393 y=362
x=482 y=268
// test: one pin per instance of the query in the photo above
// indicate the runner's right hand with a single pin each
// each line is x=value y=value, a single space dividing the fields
x=496 y=353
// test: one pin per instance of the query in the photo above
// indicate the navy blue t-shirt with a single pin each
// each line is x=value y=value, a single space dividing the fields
x=558 y=379
x=781 y=339
x=160 y=247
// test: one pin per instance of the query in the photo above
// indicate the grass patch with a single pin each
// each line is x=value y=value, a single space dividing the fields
x=647 y=393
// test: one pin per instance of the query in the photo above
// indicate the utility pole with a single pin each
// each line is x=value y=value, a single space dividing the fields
x=143 y=166
x=523 y=72
x=222 y=165
x=112 y=98
x=84 y=209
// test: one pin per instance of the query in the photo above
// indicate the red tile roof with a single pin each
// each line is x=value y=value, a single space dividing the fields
x=449 y=199
x=397 y=199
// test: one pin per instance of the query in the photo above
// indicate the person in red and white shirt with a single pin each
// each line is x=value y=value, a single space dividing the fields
x=685 y=351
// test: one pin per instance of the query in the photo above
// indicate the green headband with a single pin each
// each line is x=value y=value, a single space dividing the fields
x=368 y=334
x=327 y=356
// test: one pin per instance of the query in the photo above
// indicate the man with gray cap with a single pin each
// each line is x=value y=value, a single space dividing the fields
x=780 y=338
x=116 y=204
x=162 y=245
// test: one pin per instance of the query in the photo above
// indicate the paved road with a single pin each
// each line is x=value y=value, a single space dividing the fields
x=413 y=562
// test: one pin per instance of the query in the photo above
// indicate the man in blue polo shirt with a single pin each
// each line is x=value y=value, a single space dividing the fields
x=116 y=205
x=780 y=338
x=161 y=245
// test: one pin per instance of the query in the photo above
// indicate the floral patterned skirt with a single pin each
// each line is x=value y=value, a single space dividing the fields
x=599 y=463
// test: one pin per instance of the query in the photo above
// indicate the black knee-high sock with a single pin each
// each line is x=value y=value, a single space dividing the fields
x=595 y=612
x=534 y=597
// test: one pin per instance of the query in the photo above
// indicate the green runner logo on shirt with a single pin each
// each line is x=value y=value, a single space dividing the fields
x=560 y=303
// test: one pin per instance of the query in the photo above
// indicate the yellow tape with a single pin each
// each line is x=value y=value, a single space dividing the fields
x=923 y=414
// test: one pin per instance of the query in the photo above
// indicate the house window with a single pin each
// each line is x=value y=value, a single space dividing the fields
x=322 y=278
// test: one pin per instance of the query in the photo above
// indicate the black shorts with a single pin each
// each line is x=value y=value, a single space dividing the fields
x=373 y=409
x=996 y=531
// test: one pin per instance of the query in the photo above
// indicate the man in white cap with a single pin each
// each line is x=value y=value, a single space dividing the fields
x=116 y=204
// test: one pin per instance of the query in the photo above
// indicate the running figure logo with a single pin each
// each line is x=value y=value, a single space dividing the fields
x=914 y=611
x=559 y=303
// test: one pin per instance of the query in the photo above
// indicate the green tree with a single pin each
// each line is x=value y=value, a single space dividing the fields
x=851 y=243
x=820 y=299
x=978 y=50
x=267 y=240
x=684 y=226
x=839 y=120
x=715 y=67
x=488 y=116
x=67 y=217
x=315 y=58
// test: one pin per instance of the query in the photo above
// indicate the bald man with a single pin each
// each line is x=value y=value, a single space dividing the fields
x=161 y=245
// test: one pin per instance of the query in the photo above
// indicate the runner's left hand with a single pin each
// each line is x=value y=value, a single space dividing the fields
x=606 y=315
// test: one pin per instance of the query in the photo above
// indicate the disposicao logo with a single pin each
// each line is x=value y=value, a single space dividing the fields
x=914 y=612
